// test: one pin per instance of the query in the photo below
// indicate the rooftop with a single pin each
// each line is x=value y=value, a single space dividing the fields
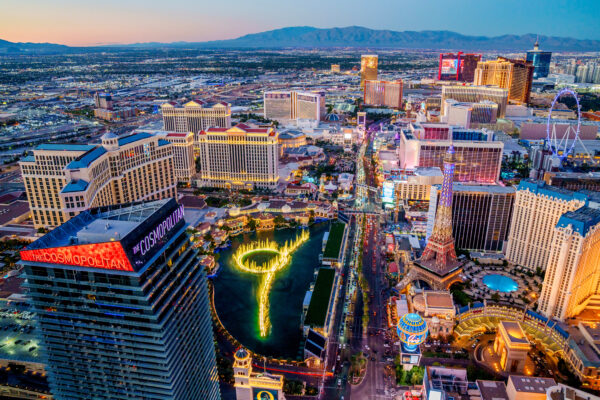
x=65 y=147
x=134 y=138
x=541 y=188
x=492 y=390
x=319 y=301
x=581 y=220
x=529 y=384
x=86 y=159
x=514 y=332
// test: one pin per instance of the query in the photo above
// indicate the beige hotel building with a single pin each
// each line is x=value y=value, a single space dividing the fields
x=573 y=274
x=195 y=116
x=536 y=212
x=62 y=180
x=241 y=157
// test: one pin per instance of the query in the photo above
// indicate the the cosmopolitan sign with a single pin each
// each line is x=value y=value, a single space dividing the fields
x=109 y=255
x=148 y=242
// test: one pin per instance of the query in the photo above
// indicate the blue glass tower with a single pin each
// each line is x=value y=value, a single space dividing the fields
x=540 y=60
x=122 y=306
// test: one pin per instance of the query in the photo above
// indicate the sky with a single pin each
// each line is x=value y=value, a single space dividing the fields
x=87 y=22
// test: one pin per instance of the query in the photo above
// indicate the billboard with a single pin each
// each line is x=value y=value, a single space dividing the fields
x=109 y=255
x=449 y=66
x=387 y=195
x=129 y=254
x=264 y=394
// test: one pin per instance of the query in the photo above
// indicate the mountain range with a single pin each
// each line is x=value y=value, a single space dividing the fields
x=349 y=37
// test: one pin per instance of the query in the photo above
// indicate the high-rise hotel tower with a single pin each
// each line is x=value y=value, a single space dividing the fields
x=122 y=306
x=62 y=180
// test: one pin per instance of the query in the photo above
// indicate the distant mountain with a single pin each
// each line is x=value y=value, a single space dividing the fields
x=7 y=47
x=352 y=36
x=356 y=36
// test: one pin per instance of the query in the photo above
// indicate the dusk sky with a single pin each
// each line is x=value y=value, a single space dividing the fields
x=83 y=22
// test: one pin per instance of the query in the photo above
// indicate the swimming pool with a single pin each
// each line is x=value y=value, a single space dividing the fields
x=500 y=283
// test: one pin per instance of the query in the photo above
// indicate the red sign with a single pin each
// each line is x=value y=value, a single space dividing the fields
x=109 y=255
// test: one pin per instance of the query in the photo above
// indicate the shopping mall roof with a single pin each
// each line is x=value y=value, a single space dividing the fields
x=319 y=301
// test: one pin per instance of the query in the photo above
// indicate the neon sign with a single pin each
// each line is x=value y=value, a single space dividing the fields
x=150 y=240
x=109 y=255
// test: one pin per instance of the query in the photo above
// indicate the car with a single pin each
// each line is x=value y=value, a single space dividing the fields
x=372 y=358
x=339 y=382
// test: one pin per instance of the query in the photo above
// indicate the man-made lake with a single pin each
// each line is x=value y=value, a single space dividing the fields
x=236 y=294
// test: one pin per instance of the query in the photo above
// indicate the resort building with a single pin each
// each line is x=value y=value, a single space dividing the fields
x=368 y=68
x=294 y=105
x=538 y=207
x=469 y=115
x=514 y=75
x=195 y=116
x=478 y=156
x=437 y=309
x=572 y=280
x=511 y=345
x=481 y=215
x=135 y=289
x=240 y=157
x=383 y=93
x=250 y=385
x=476 y=94
x=184 y=166
x=62 y=180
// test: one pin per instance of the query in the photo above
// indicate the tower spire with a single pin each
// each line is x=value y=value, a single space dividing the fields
x=439 y=254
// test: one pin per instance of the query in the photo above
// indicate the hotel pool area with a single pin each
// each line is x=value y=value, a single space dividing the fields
x=500 y=283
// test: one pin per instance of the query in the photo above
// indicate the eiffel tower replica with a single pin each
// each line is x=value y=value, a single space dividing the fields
x=438 y=263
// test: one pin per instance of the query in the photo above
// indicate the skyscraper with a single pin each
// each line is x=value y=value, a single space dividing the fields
x=457 y=67
x=572 y=279
x=540 y=60
x=383 y=93
x=241 y=157
x=368 y=68
x=439 y=255
x=62 y=180
x=194 y=116
x=514 y=75
x=476 y=94
x=537 y=210
x=284 y=105
x=481 y=215
x=122 y=306
x=478 y=156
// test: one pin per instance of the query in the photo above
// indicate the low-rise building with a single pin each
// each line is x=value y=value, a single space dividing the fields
x=528 y=387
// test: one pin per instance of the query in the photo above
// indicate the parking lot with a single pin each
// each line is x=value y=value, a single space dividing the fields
x=18 y=336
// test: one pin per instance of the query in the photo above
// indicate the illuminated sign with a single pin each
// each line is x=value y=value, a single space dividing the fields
x=109 y=255
x=388 y=195
x=160 y=231
x=449 y=66
x=264 y=394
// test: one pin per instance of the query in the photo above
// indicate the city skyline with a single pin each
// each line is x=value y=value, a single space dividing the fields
x=139 y=22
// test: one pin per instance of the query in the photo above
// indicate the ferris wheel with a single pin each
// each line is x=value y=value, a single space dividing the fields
x=561 y=144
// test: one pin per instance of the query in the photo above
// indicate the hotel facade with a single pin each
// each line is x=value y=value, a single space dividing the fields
x=368 y=68
x=573 y=273
x=476 y=94
x=293 y=105
x=135 y=321
x=538 y=207
x=514 y=75
x=63 y=180
x=241 y=157
x=195 y=116
x=383 y=93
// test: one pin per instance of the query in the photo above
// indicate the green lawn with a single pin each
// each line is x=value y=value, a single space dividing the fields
x=317 y=309
x=334 y=242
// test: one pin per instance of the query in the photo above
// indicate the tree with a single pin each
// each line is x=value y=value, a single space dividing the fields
x=252 y=224
x=496 y=297
x=279 y=220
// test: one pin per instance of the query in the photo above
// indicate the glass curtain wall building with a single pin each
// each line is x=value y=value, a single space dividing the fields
x=122 y=306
